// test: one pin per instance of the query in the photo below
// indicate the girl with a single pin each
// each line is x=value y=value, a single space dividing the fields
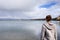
x=48 y=30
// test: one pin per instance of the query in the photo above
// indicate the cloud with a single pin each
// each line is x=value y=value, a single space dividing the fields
x=17 y=4
x=27 y=9
x=20 y=5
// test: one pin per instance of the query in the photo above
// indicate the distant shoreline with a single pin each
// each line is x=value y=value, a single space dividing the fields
x=24 y=19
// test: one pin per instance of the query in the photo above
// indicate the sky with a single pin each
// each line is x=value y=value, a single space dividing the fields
x=29 y=9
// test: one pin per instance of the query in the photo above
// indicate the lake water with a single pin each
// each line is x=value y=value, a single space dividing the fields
x=23 y=30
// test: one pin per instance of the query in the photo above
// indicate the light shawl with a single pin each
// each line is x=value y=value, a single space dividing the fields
x=48 y=32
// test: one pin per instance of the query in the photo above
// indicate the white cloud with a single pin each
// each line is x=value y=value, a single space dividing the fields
x=54 y=11
x=27 y=9
x=17 y=4
x=20 y=4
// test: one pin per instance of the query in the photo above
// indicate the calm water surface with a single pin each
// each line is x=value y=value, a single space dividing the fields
x=22 y=30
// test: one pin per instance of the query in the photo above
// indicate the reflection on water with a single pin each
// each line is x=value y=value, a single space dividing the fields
x=22 y=30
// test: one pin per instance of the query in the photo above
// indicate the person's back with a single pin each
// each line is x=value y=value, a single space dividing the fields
x=48 y=30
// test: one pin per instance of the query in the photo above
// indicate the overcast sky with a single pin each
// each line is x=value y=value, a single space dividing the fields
x=29 y=9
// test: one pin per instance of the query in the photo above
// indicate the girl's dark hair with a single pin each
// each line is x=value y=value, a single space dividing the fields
x=48 y=18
